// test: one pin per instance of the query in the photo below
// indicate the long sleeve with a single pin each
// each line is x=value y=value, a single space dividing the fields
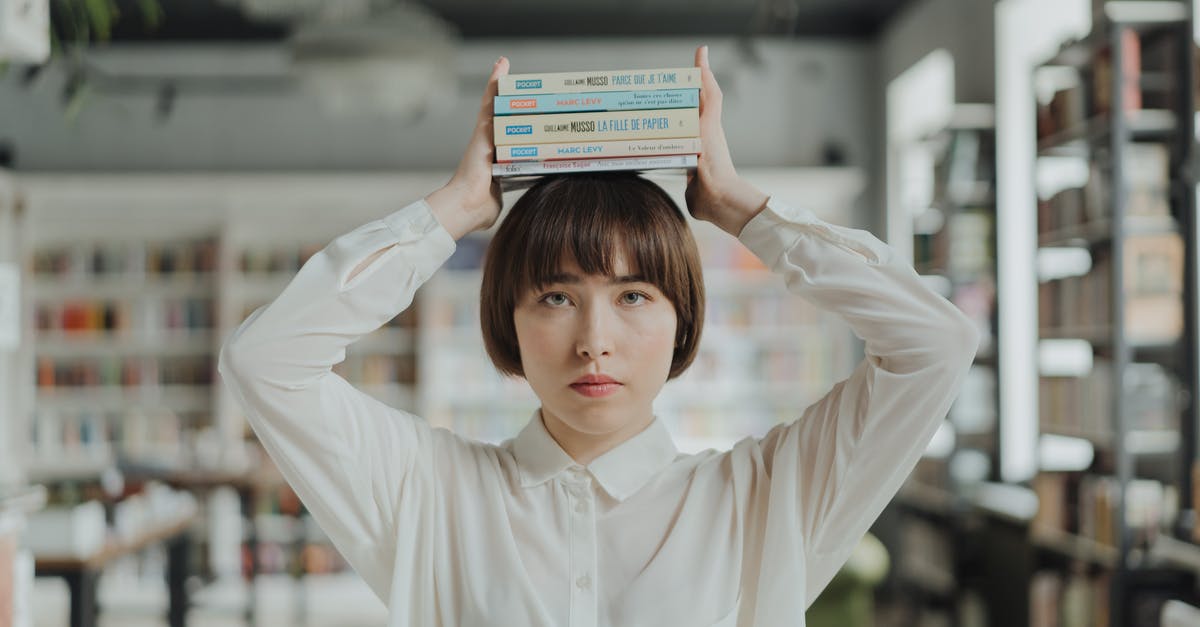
x=349 y=457
x=832 y=471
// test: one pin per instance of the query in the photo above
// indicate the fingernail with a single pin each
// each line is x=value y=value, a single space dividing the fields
x=705 y=52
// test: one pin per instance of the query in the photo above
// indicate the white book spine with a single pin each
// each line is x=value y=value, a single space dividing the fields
x=593 y=165
x=604 y=80
x=603 y=149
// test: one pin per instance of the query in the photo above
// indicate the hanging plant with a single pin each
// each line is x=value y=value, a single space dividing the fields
x=76 y=25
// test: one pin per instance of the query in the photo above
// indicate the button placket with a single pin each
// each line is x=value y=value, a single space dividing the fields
x=583 y=550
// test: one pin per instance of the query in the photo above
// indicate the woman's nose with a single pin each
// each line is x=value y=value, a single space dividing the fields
x=595 y=334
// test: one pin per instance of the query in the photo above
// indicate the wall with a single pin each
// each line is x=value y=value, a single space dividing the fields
x=784 y=100
x=966 y=29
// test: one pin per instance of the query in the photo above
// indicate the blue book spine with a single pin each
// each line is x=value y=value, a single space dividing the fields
x=598 y=101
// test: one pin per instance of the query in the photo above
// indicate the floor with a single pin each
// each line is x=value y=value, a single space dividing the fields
x=320 y=601
x=317 y=601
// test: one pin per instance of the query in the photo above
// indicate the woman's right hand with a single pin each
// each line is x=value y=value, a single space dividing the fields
x=470 y=201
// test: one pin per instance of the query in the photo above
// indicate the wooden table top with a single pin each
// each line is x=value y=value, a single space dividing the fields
x=115 y=548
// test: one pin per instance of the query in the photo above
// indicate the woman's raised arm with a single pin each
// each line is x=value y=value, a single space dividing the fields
x=362 y=468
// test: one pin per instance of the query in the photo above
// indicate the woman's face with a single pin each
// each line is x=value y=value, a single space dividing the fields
x=620 y=327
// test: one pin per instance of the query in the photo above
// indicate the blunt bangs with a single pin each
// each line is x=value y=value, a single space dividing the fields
x=590 y=219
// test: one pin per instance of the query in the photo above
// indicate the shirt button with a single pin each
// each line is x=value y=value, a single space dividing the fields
x=581 y=506
x=583 y=582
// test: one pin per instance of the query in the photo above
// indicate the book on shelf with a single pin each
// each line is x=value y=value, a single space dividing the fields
x=1076 y=599
x=1149 y=65
x=1153 y=282
x=599 y=149
x=596 y=121
x=1102 y=75
x=598 y=81
x=598 y=101
x=1087 y=506
x=1082 y=406
x=1147 y=178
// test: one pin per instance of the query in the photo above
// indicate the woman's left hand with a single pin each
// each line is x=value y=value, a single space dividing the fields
x=715 y=193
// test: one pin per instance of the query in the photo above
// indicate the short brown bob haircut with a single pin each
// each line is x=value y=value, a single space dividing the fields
x=587 y=218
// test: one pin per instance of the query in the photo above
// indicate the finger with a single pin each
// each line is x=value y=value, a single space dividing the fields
x=710 y=91
x=486 y=105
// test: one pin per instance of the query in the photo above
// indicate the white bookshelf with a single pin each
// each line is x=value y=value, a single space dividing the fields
x=261 y=226
x=12 y=425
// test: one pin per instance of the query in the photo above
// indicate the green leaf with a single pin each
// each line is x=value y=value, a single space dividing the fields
x=99 y=18
x=76 y=16
x=75 y=105
x=56 y=47
x=152 y=12
x=62 y=21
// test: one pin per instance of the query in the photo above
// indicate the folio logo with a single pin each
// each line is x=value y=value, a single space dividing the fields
x=524 y=103
x=523 y=129
x=529 y=84
x=527 y=151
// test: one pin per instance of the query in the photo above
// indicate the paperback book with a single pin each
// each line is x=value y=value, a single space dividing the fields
x=594 y=126
x=602 y=101
x=598 y=81
x=592 y=121
x=591 y=150
x=593 y=165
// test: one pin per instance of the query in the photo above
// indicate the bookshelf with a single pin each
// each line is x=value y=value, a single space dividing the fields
x=954 y=250
x=1116 y=315
x=764 y=356
x=133 y=282
x=12 y=426
x=945 y=195
x=121 y=309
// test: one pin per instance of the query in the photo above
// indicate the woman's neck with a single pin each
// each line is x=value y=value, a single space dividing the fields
x=586 y=447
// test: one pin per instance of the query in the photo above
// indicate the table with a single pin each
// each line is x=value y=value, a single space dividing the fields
x=82 y=574
x=249 y=485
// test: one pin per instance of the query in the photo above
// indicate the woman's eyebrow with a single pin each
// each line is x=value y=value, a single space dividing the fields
x=572 y=279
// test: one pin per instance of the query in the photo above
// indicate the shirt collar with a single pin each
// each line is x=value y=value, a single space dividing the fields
x=621 y=471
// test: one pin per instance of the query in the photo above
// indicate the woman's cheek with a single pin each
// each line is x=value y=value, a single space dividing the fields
x=657 y=332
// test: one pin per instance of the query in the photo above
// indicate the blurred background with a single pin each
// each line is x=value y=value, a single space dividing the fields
x=166 y=166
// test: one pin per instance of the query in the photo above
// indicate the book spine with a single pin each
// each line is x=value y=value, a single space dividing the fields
x=613 y=80
x=611 y=126
x=602 y=101
x=589 y=150
x=593 y=165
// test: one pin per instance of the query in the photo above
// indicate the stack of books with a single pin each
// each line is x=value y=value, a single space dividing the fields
x=590 y=121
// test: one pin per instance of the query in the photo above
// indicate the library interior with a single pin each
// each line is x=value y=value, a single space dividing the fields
x=169 y=168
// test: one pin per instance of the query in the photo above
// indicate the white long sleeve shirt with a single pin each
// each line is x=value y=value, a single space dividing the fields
x=450 y=531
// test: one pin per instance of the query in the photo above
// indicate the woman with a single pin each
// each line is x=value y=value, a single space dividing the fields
x=589 y=516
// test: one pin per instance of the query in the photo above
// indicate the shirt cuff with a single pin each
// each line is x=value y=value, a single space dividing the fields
x=417 y=222
x=771 y=233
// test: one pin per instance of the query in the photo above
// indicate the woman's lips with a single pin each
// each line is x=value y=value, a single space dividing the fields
x=595 y=390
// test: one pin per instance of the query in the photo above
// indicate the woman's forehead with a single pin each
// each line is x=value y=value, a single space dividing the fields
x=618 y=260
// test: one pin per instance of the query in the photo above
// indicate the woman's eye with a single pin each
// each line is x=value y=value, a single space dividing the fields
x=636 y=295
x=556 y=299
